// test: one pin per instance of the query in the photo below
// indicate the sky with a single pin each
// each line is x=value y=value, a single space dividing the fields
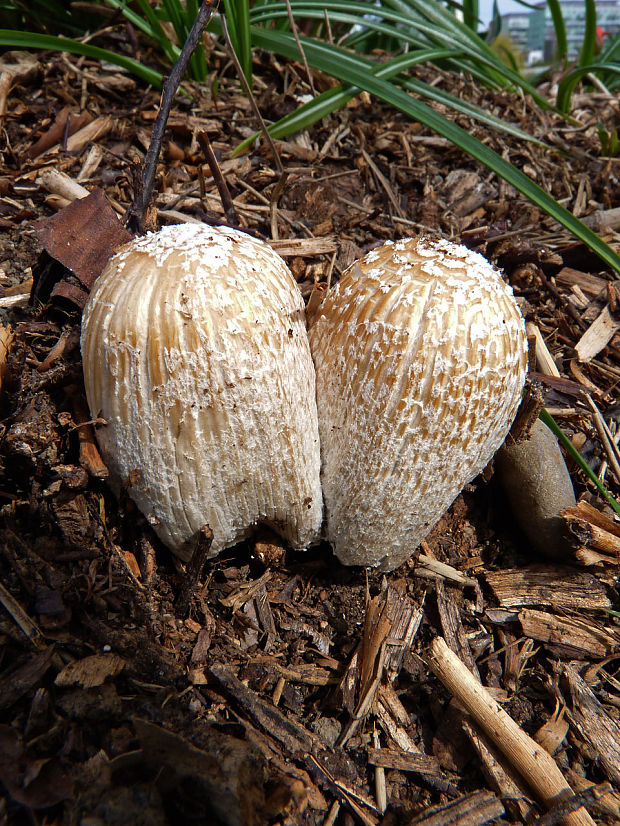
x=505 y=6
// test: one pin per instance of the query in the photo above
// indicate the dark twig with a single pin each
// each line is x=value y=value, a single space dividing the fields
x=216 y=172
x=293 y=26
x=144 y=193
x=531 y=405
x=193 y=572
x=251 y=97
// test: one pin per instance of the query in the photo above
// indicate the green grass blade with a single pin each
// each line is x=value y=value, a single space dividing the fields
x=445 y=19
x=175 y=13
x=610 y=54
x=560 y=29
x=611 y=50
x=588 y=49
x=474 y=55
x=149 y=24
x=547 y=419
x=347 y=68
x=476 y=113
x=570 y=80
x=333 y=99
x=32 y=40
x=245 y=37
x=471 y=14
x=238 y=21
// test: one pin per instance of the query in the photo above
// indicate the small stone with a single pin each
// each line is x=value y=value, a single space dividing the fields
x=328 y=731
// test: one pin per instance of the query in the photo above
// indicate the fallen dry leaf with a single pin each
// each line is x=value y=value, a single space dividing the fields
x=91 y=671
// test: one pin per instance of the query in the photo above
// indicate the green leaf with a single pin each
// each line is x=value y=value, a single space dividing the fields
x=567 y=85
x=337 y=97
x=574 y=454
x=588 y=48
x=560 y=29
x=32 y=40
x=436 y=28
x=238 y=22
x=149 y=24
x=471 y=14
x=347 y=68
x=175 y=13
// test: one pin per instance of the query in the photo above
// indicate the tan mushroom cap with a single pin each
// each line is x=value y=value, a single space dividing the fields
x=420 y=353
x=195 y=352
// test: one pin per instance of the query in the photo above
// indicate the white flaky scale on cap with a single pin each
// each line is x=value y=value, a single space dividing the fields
x=195 y=352
x=420 y=354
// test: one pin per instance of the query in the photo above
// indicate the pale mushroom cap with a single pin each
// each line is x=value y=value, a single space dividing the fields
x=420 y=353
x=195 y=352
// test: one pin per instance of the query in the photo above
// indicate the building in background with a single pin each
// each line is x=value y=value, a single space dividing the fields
x=534 y=34
x=517 y=25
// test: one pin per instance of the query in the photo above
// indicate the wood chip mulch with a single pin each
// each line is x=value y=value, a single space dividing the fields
x=284 y=688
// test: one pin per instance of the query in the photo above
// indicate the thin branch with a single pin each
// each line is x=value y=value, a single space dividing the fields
x=277 y=190
x=193 y=571
x=251 y=97
x=216 y=172
x=144 y=194
x=293 y=26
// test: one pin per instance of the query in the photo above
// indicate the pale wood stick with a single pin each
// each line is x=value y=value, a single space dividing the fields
x=59 y=183
x=380 y=790
x=533 y=763
x=544 y=359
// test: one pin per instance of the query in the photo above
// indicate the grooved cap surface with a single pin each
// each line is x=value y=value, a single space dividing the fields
x=420 y=354
x=196 y=353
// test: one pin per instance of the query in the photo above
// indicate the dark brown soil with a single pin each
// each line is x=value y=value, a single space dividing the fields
x=117 y=706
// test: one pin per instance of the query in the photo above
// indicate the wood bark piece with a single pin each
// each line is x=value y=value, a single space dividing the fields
x=304 y=247
x=608 y=803
x=544 y=360
x=23 y=679
x=593 y=529
x=65 y=124
x=469 y=810
x=59 y=183
x=344 y=793
x=596 y=727
x=14 y=66
x=591 y=535
x=597 y=336
x=547 y=585
x=6 y=338
x=501 y=776
x=427 y=566
x=603 y=219
x=592 y=285
x=21 y=618
x=453 y=630
x=291 y=735
x=578 y=637
x=536 y=766
x=90 y=458
x=403 y=761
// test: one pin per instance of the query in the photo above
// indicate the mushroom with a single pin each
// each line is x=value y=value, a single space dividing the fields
x=196 y=354
x=420 y=355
